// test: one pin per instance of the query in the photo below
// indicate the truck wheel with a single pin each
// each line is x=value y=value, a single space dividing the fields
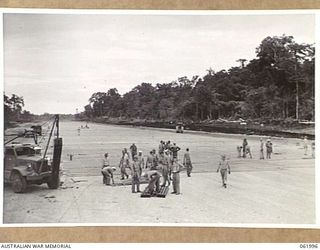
x=53 y=184
x=19 y=183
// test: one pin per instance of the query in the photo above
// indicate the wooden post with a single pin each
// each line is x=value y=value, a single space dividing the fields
x=56 y=161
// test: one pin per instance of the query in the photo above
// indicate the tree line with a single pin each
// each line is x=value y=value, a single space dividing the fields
x=13 y=110
x=277 y=84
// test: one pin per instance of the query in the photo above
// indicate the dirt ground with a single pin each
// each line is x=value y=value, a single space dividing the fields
x=280 y=190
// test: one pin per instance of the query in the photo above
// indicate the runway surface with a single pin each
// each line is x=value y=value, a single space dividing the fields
x=280 y=190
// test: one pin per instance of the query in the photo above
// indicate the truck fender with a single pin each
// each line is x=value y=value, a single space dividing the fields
x=20 y=169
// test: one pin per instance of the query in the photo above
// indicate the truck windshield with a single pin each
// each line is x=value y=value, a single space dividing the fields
x=25 y=151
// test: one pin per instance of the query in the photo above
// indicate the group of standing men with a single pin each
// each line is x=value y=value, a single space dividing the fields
x=164 y=164
x=245 y=149
x=268 y=146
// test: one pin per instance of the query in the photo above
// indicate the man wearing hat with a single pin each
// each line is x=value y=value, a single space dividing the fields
x=135 y=173
x=224 y=169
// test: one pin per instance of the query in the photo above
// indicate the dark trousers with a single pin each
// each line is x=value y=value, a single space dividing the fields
x=189 y=168
x=224 y=174
x=135 y=182
x=176 y=182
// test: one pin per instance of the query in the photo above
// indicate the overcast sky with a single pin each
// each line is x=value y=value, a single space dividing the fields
x=56 y=62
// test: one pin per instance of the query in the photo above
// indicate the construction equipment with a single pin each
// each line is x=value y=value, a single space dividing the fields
x=24 y=164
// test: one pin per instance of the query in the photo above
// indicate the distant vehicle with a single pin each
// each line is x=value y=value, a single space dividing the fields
x=179 y=128
x=24 y=164
x=37 y=129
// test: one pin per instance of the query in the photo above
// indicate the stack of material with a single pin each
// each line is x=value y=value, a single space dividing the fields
x=162 y=192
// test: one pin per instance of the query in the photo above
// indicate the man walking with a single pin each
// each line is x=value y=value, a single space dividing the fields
x=224 y=169
x=187 y=162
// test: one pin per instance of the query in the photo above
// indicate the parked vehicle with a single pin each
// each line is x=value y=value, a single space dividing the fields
x=179 y=128
x=24 y=164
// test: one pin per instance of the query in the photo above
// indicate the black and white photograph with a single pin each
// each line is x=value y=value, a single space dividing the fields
x=159 y=118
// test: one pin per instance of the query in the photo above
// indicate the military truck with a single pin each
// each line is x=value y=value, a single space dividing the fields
x=24 y=164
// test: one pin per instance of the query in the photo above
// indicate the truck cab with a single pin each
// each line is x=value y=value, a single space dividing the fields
x=23 y=165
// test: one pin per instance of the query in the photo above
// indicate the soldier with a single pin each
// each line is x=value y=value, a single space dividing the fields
x=167 y=156
x=133 y=149
x=244 y=147
x=176 y=168
x=149 y=162
x=187 y=162
x=269 y=148
x=154 y=179
x=107 y=170
x=175 y=149
x=124 y=163
x=224 y=168
x=155 y=160
x=161 y=147
x=168 y=145
x=164 y=166
x=107 y=173
x=141 y=161
x=105 y=162
x=135 y=173
x=261 y=149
